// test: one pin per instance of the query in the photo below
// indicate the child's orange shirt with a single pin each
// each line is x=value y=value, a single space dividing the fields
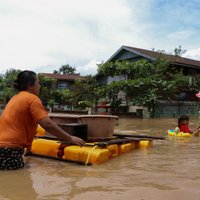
x=19 y=120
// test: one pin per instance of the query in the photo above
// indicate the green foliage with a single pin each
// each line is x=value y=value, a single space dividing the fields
x=179 y=51
x=145 y=82
x=195 y=82
x=65 y=69
x=47 y=88
x=51 y=102
x=7 y=85
x=49 y=94
x=85 y=92
x=62 y=96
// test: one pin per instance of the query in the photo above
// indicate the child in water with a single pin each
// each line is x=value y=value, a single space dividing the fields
x=183 y=125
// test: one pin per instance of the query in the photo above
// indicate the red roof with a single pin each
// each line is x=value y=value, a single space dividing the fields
x=68 y=77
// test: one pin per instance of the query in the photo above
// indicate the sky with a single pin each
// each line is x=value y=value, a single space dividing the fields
x=43 y=35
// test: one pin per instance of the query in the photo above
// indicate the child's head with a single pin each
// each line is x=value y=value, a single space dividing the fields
x=183 y=119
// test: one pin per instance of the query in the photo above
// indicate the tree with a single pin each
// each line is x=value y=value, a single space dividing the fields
x=179 y=51
x=65 y=69
x=7 y=84
x=50 y=95
x=85 y=92
x=145 y=82
x=47 y=89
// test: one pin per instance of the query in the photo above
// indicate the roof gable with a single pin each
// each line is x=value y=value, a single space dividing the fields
x=151 y=55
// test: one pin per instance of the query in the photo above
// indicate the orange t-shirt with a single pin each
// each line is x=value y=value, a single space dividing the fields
x=18 y=122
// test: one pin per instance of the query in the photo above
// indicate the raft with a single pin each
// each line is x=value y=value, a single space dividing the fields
x=172 y=133
x=91 y=153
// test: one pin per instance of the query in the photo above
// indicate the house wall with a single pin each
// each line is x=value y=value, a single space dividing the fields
x=111 y=79
x=62 y=84
x=125 y=55
x=140 y=111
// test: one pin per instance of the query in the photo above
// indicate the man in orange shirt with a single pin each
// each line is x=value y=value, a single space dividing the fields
x=19 y=122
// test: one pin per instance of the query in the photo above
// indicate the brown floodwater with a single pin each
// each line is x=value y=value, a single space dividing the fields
x=169 y=170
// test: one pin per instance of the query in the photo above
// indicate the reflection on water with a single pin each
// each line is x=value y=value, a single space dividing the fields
x=168 y=170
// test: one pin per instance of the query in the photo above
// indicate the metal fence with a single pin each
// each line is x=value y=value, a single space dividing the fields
x=176 y=108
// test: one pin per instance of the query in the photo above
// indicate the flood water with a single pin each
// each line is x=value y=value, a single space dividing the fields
x=170 y=170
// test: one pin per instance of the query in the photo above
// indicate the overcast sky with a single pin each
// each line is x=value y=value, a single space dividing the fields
x=42 y=35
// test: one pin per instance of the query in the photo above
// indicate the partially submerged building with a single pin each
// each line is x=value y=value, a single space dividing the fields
x=62 y=82
x=186 y=103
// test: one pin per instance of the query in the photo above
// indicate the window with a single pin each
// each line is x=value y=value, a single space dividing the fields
x=62 y=86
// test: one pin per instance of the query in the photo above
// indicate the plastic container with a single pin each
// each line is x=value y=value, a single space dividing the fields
x=40 y=131
x=87 y=155
x=99 y=126
x=63 y=118
x=179 y=134
x=45 y=147
x=124 y=148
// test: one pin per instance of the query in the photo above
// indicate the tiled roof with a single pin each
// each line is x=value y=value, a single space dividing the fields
x=178 y=60
x=68 y=77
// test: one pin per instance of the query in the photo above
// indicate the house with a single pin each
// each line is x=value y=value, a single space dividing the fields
x=64 y=81
x=163 y=108
x=133 y=54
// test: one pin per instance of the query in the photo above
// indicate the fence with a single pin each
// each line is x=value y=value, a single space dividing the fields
x=176 y=108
